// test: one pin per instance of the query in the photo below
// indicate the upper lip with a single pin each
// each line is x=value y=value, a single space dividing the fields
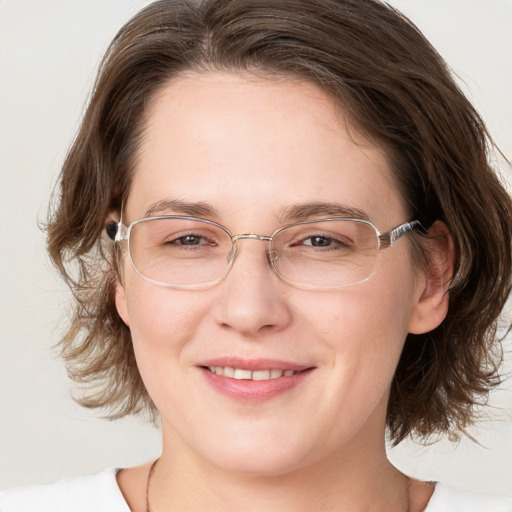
x=253 y=364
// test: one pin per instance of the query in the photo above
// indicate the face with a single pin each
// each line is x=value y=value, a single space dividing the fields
x=248 y=151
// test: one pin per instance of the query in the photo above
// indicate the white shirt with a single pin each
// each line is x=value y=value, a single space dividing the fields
x=100 y=493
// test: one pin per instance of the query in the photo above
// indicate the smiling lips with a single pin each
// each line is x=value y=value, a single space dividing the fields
x=253 y=381
x=242 y=374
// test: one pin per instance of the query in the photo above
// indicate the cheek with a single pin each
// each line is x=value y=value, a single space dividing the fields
x=162 y=322
x=156 y=312
x=364 y=329
x=361 y=319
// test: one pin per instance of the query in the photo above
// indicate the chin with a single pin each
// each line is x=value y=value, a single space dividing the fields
x=256 y=457
x=259 y=465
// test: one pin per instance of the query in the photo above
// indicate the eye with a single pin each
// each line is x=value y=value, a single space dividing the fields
x=319 y=241
x=190 y=240
x=322 y=241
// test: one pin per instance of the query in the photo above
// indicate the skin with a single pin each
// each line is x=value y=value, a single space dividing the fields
x=252 y=148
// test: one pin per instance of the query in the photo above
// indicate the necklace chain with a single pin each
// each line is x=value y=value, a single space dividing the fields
x=152 y=469
x=150 y=474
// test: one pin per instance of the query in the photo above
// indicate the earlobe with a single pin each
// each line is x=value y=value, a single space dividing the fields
x=431 y=303
x=121 y=304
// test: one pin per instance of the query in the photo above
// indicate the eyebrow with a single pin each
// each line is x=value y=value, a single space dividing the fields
x=199 y=209
x=293 y=213
x=299 y=212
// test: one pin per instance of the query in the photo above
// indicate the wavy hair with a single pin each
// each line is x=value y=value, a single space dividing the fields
x=395 y=89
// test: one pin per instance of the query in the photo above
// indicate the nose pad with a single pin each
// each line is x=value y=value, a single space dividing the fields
x=272 y=256
x=232 y=255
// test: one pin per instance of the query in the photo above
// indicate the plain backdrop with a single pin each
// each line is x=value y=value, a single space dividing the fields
x=49 y=51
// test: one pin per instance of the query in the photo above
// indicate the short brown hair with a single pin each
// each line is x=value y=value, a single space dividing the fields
x=396 y=90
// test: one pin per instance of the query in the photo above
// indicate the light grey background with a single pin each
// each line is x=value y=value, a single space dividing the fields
x=48 y=54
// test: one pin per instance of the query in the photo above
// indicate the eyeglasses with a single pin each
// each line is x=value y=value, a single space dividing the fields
x=186 y=252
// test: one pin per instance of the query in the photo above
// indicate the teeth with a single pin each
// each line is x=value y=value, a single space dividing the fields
x=240 y=374
x=227 y=372
x=261 y=375
x=243 y=374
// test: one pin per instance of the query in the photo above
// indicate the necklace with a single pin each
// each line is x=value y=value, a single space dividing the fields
x=150 y=474
x=152 y=469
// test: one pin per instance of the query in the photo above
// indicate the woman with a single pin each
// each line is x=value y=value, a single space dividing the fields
x=278 y=216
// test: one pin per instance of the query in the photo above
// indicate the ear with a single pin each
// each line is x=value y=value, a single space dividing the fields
x=120 y=296
x=121 y=303
x=111 y=223
x=431 y=302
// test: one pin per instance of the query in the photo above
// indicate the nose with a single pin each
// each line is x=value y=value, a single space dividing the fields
x=252 y=298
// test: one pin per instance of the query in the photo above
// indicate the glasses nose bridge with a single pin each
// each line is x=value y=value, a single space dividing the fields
x=250 y=236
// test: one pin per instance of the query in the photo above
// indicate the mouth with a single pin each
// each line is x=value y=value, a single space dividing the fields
x=253 y=381
x=243 y=374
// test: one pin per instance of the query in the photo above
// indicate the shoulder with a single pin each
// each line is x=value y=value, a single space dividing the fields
x=451 y=499
x=82 y=494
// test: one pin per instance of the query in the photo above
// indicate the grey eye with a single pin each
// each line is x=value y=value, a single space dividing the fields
x=318 y=241
x=190 y=240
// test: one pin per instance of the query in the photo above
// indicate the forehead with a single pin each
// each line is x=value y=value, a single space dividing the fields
x=247 y=145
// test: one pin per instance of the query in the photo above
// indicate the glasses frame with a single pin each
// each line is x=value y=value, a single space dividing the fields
x=384 y=240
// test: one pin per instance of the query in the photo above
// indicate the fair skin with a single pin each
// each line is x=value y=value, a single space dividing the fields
x=252 y=149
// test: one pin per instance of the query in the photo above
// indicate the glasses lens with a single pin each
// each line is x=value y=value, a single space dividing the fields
x=326 y=254
x=175 y=251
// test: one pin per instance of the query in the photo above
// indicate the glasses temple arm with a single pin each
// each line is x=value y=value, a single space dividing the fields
x=389 y=238
x=117 y=232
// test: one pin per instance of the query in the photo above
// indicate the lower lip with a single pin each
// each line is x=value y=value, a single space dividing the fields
x=254 y=391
